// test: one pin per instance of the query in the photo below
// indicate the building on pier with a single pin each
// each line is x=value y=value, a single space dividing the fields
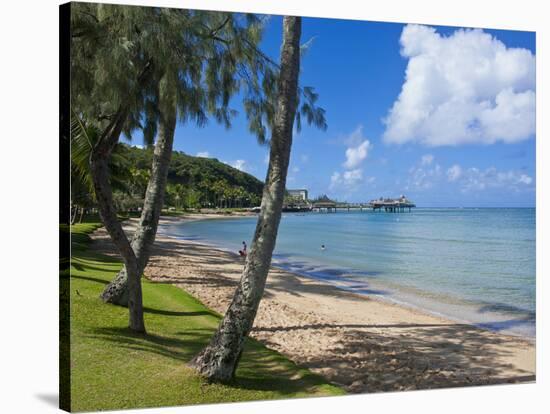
x=392 y=205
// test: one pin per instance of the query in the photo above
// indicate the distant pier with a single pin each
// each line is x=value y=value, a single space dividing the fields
x=392 y=206
x=326 y=205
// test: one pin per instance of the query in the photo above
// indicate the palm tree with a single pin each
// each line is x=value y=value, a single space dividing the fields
x=219 y=360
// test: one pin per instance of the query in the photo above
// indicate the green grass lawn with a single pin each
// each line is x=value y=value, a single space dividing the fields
x=112 y=368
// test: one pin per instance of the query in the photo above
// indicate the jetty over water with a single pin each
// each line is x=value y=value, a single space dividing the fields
x=296 y=201
x=391 y=205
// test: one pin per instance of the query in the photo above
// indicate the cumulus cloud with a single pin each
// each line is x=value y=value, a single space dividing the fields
x=464 y=88
x=358 y=149
x=454 y=172
x=239 y=165
x=356 y=155
x=525 y=179
x=475 y=179
x=423 y=177
x=427 y=159
x=347 y=179
x=203 y=154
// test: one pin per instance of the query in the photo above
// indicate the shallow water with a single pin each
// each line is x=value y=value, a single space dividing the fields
x=471 y=265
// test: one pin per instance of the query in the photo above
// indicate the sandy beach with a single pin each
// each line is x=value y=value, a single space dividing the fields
x=362 y=343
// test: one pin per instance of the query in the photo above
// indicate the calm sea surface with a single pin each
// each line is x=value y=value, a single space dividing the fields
x=472 y=265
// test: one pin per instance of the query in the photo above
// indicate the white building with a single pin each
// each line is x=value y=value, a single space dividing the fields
x=302 y=193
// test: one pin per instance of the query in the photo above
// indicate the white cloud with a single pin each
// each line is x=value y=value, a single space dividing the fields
x=335 y=179
x=358 y=148
x=427 y=159
x=304 y=158
x=454 y=172
x=525 y=179
x=239 y=165
x=464 y=88
x=478 y=180
x=356 y=155
x=203 y=154
x=295 y=169
x=422 y=178
x=357 y=151
x=347 y=179
x=424 y=174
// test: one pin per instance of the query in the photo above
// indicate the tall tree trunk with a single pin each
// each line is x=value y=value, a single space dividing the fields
x=116 y=292
x=75 y=209
x=99 y=159
x=219 y=360
x=104 y=195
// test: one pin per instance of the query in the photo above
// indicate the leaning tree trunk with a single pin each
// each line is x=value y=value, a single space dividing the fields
x=100 y=176
x=116 y=292
x=73 y=218
x=99 y=168
x=219 y=360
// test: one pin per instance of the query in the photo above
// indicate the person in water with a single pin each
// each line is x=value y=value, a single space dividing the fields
x=323 y=247
x=243 y=251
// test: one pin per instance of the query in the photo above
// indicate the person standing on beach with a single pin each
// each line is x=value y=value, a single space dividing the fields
x=243 y=251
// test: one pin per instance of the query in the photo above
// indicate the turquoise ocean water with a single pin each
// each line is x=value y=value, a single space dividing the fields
x=471 y=265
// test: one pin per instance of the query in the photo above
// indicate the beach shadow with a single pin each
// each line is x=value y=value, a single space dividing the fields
x=347 y=326
x=375 y=358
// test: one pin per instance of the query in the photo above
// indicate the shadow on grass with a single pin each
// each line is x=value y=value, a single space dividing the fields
x=176 y=313
x=260 y=369
x=283 y=375
x=182 y=348
x=91 y=279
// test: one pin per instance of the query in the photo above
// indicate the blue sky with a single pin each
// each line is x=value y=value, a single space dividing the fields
x=442 y=115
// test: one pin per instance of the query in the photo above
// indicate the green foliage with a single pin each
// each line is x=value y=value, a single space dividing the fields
x=123 y=177
x=112 y=368
x=204 y=57
x=124 y=58
x=195 y=182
